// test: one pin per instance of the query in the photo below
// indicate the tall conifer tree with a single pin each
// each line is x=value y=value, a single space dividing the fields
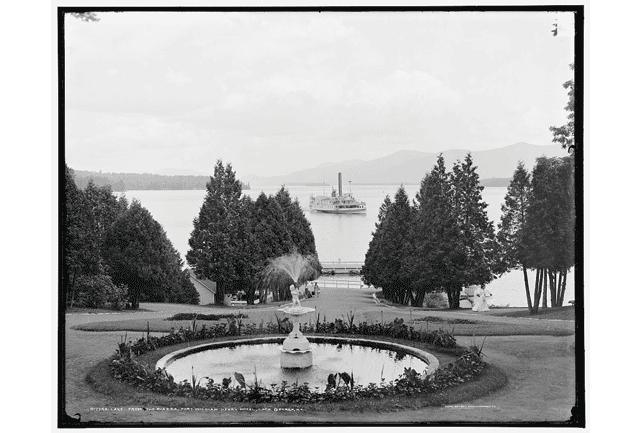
x=550 y=228
x=476 y=231
x=140 y=255
x=438 y=250
x=272 y=239
x=394 y=248
x=370 y=272
x=299 y=227
x=214 y=250
x=80 y=246
x=512 y=227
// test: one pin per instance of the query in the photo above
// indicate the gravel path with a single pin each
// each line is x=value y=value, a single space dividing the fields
x=541 y=369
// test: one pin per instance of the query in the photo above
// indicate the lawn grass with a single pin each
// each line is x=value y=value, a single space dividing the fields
x=548 y=360
x=199 y=316
x=81 y=310
x=445 y=320
x=457 y=326
x=558 y=313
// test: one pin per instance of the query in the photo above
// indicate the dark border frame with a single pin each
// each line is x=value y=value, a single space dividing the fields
x=578 y=413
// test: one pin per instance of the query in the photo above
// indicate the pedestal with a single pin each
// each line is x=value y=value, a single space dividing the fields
x=296 y=350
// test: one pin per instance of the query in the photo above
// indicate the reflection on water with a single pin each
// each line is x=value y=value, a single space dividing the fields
x=367 y=364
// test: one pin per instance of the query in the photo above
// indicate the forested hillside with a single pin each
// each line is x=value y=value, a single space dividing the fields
x=143 y=181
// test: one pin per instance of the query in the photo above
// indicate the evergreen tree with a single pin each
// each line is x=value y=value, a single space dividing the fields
x=438 y=256
x=394 y=248
x=105 y=208
x=476 y=231
x=185 y=292
x=272 y=239
x=140 y=256
x=512 y=227
x=214 y=253
x=80 y=253
x=271 y=231
x=299 y=226
x=550 y=228
x=244 y=241
x=370 y=272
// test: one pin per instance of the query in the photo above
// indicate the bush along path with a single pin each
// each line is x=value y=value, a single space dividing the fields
x=125 y=367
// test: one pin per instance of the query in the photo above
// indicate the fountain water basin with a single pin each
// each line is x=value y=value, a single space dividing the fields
x=368 y=360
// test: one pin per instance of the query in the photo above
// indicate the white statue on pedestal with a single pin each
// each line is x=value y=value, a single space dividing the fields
x=480 y=302
x=295 y=294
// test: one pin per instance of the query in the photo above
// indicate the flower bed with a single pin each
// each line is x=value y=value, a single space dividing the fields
x=126 y=368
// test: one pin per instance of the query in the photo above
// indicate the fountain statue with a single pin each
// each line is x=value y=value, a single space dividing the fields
x=296 y=349
x=295 y=297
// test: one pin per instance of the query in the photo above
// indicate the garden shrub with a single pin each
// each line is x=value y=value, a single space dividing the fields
x=435 y=300
x=98 y=291
x=117 y=298
x=191 y=316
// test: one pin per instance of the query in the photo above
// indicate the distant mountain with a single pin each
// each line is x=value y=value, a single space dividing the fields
x=495 y=168
x=348 y=163
x=410 y=166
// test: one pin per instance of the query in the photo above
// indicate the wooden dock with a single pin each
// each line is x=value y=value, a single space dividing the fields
x=341 y=284
x=342 y=267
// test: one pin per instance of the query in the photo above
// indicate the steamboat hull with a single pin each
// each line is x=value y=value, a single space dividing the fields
x=339 y=211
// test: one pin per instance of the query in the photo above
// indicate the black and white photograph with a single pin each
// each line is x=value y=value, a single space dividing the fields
x=320 y=216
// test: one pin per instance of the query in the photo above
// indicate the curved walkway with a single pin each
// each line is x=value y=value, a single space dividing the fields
x=540 y=369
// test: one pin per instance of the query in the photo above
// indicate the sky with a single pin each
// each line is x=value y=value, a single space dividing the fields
x=276 y=92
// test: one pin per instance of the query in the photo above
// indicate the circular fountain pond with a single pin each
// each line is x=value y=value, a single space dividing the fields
x=367 y=360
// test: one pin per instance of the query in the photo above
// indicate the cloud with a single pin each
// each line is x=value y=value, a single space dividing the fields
x=133 y=142
x=415 y=87
x=179 y=79
x=256 y=87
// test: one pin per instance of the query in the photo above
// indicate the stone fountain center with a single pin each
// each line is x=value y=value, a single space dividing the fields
x=296 y=351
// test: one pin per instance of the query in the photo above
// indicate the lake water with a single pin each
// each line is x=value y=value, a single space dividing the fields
x=337 y=237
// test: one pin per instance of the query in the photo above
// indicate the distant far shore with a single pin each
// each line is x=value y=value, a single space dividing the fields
x=121 y=182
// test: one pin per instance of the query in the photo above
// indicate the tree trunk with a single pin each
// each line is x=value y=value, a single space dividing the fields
x=250 y=296
x=559 y=289
x=385 y=292
x=453 y=298
x=408 y=295
x=262 y=294
x=545 y=289
x=552 y=287
x=419 y=301
x=134 y=299
x=72 y=287
x=218 y=299
x=564 y=286
x=529 y=299
x=537 y=290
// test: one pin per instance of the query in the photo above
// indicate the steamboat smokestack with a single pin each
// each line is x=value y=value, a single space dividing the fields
x=340 y=192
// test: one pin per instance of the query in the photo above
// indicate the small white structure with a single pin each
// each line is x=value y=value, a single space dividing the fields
x=296 y=351
x=480 y=301
x=207 y=289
